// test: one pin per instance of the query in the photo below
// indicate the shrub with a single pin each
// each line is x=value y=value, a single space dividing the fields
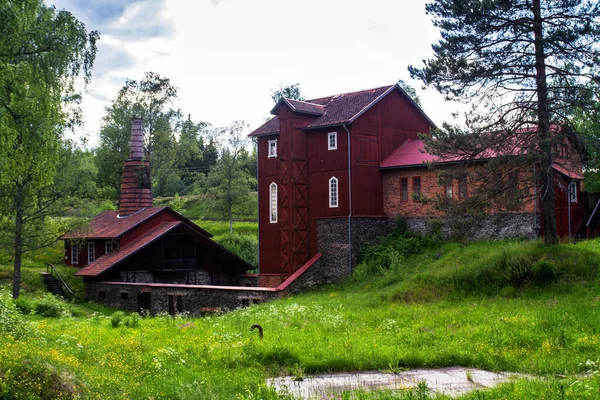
x=117 y=318
x=132 y=320
x=516 y=269
x=25 y=304
x=543 y=272
x=12 y=321
x=244 y=246
x=52 y=307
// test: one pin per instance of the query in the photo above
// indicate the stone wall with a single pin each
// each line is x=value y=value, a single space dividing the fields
x=196 y=299
x=493 y=227
x=332 y=242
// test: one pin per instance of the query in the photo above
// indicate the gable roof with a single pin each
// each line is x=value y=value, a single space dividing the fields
x=337 y=110
x=109 y=260
x=110 y=225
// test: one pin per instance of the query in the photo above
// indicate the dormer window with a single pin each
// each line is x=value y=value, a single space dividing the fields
x=272 y=148
x=332 y=141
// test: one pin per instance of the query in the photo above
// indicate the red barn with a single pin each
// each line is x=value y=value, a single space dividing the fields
x=320 y=158
x=333 y=171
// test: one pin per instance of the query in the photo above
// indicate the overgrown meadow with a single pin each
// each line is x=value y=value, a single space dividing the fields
x=504 y=306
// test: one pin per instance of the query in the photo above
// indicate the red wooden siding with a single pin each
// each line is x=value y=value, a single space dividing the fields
x=304 y=165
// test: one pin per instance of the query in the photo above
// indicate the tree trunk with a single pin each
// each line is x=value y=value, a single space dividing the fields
x=19 y=203
x=545 y=141
x=230 y=218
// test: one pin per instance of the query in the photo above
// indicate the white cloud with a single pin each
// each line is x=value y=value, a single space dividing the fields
x=227 y=56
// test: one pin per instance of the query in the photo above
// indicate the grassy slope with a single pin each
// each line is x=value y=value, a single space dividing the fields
x=439 y=308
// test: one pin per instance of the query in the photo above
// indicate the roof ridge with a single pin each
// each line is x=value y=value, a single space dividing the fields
x=354 y=92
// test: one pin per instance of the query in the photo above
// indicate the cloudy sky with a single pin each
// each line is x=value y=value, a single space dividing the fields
x=226 y=56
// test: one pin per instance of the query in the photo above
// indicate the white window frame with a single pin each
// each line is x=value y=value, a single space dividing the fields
x=91 y=252
x=108 y=246
x=332 y=135
x=334 y=195
x=273 y=203
x=572 y=189
x=75 y=254
x=272 y=145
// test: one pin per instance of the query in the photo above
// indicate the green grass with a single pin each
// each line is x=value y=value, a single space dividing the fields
x=449 y=304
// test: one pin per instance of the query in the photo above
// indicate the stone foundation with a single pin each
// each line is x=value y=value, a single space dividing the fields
x=199 y=299
x=493 y=227
x=332 y=242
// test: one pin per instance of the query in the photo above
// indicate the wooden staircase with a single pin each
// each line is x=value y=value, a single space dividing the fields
x=53 y=285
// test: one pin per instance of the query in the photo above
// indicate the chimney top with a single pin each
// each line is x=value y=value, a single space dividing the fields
x=136 y=151
x=136 y=191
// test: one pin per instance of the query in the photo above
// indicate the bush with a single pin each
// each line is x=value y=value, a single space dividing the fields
x=120 y=319
x=11 y=319
x=132 y=320
x=543 y=273
x=25 y=304
x=52 y=307
x=117 y=318
x=244 y=246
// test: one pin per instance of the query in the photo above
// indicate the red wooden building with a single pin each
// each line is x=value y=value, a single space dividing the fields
x=320 y=158
x=140 y=243
x=357 y=156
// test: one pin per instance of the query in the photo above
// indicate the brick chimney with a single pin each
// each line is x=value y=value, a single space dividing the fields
x=136 y=191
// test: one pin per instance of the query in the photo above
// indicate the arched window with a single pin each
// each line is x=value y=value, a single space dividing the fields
x=333 y=192
x=273 y=203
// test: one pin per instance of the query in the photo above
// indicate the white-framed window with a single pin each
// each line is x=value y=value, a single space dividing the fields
x=272 y=148
x=573 y=192
x=91 y=252
x=332 y=141
x=108 y=246
x=74 y=254
x=333 y=192
x=273 y=203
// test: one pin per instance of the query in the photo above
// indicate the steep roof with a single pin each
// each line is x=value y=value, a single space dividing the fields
x=110 y=225
x=109 y=260
x=337 y=110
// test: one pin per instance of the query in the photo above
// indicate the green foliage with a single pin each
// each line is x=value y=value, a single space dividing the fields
x=228 y=184
x=52 y=307
x=287 y=91
x=454 y=313
x=117 y=318
x=42 y=53
x=176 y=203
x=11 y=319
x=392 y=250
x=244 y=246
x=487 y=57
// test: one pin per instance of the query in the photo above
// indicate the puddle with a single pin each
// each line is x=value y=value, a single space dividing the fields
x=453 y=381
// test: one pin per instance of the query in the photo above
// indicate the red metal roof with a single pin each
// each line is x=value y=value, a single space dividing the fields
x=412 y=154
x=339 y=109
x=114 y=257
x=109 y=225
x=567 y=171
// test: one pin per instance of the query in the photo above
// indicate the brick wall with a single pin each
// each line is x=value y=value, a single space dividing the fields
x=393 y=204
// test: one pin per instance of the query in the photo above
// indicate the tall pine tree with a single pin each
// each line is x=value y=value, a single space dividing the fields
x=524 y=65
